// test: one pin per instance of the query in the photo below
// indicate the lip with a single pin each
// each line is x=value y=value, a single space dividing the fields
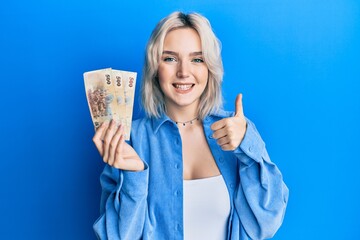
x=183 y=88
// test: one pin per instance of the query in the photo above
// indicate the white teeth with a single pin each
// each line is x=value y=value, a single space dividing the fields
x=183 y=87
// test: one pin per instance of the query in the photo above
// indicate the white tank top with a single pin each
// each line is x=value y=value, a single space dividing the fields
x=206 y=209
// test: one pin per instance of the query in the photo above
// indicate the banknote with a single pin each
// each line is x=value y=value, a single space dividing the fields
x=100 y=95
x=119 y=84
x=110 y=94
x=130 y=82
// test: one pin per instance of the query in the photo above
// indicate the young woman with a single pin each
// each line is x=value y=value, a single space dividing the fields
x=191 y=170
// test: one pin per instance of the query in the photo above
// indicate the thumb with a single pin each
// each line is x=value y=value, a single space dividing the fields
x=238 y=106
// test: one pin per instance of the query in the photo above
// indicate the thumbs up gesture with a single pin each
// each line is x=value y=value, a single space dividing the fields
x=230 y=131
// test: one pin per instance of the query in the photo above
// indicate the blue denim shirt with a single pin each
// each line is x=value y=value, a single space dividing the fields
x=148 y=204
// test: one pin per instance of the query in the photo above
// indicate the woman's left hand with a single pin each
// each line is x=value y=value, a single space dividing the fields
x=230 y=131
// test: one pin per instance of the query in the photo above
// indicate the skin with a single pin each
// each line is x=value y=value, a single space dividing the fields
x=183 y=76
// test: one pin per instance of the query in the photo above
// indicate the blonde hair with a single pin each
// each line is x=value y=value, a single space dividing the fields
x=152 y=95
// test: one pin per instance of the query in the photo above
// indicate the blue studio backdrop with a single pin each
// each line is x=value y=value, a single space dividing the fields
x=297 y=64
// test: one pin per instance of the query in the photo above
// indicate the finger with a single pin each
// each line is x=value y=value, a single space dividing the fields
x=220 y=133
x=122 y=137
x=107 y=140
x=238 y=106
x=113 y=145
x=100 y=131
x=223 y=141
x=97 y=139
x=227 y=147
x=119 y=148
x=218 y=125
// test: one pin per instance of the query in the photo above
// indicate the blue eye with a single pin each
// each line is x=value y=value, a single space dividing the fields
x=198 y=60
x=169 y=59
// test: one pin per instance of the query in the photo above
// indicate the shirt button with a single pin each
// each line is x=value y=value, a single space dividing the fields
x=221 y=159
x=210 y=136
x=176 y=166
x=250 y=149
x=177 y=192
x=232 y=185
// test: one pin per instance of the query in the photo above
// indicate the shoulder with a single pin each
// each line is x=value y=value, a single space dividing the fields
x=223 y=113
x=140 y=125
x=220 y=114
x=141 y=122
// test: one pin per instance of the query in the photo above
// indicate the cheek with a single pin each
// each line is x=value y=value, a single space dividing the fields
x=203 y=75
x=164 y=73
x=162 y=80
x=162 y=85
x=162 y=77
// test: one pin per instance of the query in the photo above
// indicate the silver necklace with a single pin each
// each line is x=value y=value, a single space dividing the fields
x=190 y=121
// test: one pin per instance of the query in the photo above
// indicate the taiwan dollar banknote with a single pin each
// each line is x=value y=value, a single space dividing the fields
x=110 y=94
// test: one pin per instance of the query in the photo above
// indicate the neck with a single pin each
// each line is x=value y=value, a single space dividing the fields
x=182 y=114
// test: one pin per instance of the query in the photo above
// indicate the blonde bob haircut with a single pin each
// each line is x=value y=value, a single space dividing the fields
x=152 y=96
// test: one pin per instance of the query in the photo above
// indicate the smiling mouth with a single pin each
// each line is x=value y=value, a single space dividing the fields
x=183 y=87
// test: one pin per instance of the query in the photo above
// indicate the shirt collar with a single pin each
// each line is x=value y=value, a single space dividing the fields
x=157 y=122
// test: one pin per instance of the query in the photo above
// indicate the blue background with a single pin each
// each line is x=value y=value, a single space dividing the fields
x=297 y=64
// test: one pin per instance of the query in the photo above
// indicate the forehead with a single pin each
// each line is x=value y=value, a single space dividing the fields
x=182 y=40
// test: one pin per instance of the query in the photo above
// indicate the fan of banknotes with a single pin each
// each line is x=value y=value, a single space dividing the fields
x=110 y=95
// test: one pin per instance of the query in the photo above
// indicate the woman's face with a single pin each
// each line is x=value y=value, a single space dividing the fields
x=182 y=72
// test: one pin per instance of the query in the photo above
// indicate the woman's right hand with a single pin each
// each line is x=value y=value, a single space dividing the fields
x=109 y=140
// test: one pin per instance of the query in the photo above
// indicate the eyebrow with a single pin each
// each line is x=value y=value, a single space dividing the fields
x=176 y=54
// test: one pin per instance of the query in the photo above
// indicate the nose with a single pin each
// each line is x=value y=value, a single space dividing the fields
x=183 y=70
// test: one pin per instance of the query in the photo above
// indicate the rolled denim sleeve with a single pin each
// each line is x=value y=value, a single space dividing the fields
x=123 y=204
x=262 y=195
